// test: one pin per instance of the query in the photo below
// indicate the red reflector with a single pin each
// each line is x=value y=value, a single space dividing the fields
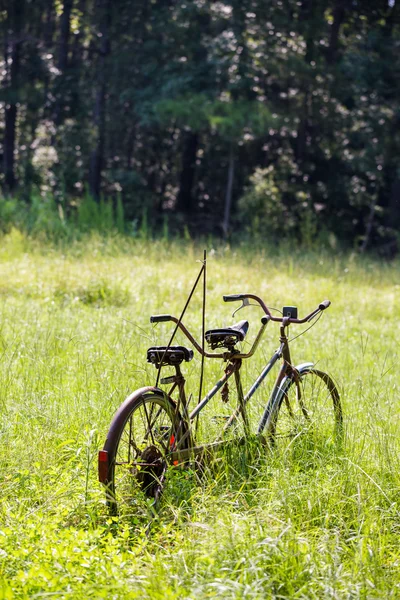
x=171 y=441
x=103 y=466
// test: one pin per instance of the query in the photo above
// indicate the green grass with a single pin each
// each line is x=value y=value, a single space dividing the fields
x=74 y=329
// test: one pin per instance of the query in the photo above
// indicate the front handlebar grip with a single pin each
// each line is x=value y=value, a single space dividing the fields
x=234 y=297
x=324 y=304
x=160 y=318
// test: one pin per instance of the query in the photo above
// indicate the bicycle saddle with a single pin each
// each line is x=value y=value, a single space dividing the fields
x=228 y=336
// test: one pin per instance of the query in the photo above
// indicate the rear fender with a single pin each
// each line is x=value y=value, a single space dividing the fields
x=105 y=456
x=126 y=405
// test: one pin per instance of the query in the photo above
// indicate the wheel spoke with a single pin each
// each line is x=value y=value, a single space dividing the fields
x=149 y=430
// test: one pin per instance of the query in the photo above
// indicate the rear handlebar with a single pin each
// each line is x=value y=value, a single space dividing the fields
x=160 y=318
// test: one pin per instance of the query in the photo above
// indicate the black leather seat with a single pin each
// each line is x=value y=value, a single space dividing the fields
x=174 y=355
x=227 y=337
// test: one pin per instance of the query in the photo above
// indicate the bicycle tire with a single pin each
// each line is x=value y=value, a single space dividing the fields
x=308 y=403
x=143 y=432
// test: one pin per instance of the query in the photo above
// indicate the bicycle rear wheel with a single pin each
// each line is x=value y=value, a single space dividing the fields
x=142 y=435
x=309 y=405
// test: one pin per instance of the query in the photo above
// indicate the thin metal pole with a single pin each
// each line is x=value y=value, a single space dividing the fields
x=203 y=327
x=178 y=322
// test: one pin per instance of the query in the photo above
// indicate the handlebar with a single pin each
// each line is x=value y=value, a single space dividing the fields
x=268 y=316
x=324 y=304
x=234 y=297
x=264 y=321
x=164 y=318
x=160 y=318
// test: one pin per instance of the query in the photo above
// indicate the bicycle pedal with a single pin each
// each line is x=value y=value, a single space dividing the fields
x=167 y=380
x=220 y=418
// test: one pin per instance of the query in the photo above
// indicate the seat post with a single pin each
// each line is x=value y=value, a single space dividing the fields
x=241 y=403
x=180 y=381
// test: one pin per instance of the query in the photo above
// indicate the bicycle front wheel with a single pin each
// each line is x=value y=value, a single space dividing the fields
x=142 y=435
x=310 y=404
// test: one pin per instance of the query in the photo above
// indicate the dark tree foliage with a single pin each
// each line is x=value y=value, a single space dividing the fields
x=271 y=118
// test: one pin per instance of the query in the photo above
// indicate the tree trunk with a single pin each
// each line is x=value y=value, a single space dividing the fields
x=301 y=142
x=228 y=195
x=12 y=54
x=390 y=189
x=48 y=30
x=65 y=26
x=9 y=147
x=338 y=18
x=62 y=64
x=184 y=201
x=306 y=19
x=369 y=226
x=389 y=196
x=394 y=204
x=97 y=155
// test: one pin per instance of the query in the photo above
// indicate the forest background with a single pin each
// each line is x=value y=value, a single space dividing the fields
x=270 y=119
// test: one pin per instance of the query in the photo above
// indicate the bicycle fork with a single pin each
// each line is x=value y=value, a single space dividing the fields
x=287 y=371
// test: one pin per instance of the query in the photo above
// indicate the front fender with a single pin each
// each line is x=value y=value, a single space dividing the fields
x=278 y=394
x=286 y=381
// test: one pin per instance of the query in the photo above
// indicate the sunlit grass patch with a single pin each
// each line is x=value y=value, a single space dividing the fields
x=96 y=293
x=309 y=520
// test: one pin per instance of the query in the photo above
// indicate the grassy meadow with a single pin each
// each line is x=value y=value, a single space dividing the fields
x=74 y=329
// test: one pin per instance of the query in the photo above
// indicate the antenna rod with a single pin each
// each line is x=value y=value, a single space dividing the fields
x=179 y=321
x=203 y=331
